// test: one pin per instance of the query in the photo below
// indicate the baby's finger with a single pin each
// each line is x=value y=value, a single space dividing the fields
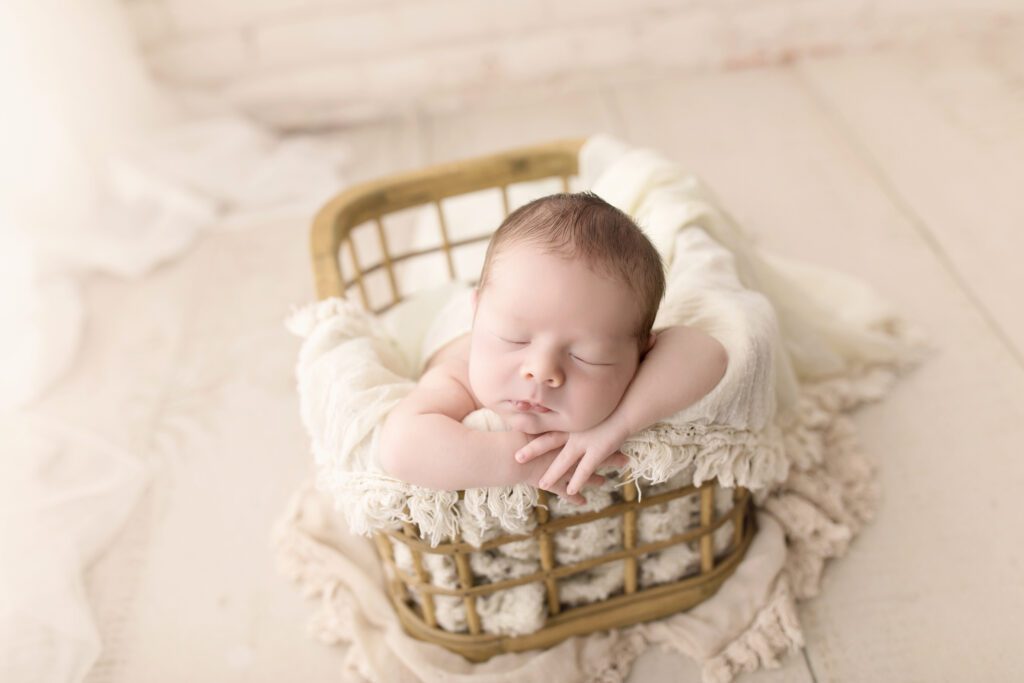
x=593 y=480
x=578 y=498
x=584 y=469
x=619 y=459
x=547 y=441
x=559 y=467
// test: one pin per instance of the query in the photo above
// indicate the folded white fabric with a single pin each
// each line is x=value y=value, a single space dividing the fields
x=804 y=344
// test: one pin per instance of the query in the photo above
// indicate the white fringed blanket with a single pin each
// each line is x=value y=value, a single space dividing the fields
x=805 y=345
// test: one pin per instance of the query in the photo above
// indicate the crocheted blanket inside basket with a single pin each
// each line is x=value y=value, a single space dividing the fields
x=749 y=430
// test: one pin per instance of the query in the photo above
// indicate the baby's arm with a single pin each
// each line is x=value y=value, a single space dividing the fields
x=683 y=366
x=424 y=442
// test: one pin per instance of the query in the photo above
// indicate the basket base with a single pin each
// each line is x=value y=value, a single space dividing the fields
x=615 y=612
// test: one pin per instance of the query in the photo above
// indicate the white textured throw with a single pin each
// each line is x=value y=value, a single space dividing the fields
x=805 y=345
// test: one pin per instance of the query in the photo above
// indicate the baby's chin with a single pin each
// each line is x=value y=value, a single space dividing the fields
x=528 y=423
x=538 y=423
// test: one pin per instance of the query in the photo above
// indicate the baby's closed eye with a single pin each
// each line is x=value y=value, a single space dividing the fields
x=591 y=363
x=573 y=355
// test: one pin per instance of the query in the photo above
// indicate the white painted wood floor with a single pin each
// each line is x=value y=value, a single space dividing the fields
x=903 y=167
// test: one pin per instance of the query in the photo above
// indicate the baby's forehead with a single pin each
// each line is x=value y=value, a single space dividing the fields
x=601 y=323
x=516 y=259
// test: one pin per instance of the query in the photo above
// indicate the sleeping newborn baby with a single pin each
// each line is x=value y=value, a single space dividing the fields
x=562 y=348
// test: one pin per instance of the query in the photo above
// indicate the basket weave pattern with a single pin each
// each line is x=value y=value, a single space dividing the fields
x=414 y=592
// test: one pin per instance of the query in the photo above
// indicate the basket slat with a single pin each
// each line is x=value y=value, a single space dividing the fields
x=707 y=517
x=395 y=296
x=629 y=537
x=504 y=200
x=359 y=271
x=395 y=584
x=445 y=244
x=423 y=579
x=738 y=496
x=466 y=582
x=547 y=552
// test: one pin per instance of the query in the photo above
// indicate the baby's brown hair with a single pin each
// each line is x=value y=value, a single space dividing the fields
x=582 y=225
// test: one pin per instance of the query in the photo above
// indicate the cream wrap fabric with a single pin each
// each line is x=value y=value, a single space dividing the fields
x=805 y=344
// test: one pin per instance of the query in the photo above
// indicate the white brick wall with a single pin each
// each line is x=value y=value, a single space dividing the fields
x=310 y=63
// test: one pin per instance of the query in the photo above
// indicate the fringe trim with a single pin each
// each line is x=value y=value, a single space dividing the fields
x=736 y=457
x=615 y=666
x=833 y=490
x=774 y=633
x=312 y=565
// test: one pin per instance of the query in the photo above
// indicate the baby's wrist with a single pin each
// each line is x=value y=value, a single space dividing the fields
x=621 y=424
x=502 y=447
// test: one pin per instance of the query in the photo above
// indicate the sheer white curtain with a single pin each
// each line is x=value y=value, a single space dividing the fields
x=72 y=91
x=102 y=171
x=94 y=165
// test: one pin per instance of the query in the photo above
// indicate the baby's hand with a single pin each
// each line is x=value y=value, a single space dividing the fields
x=538 y=466
x=590 y=448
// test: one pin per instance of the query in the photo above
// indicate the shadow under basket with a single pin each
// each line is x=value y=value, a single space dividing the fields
x=364 y=208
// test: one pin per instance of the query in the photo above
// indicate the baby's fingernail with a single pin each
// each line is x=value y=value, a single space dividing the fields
x=571 y=490
x=520 y=457
x=542 y=484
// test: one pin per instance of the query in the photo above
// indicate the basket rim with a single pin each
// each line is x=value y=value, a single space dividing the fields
x=370 y=199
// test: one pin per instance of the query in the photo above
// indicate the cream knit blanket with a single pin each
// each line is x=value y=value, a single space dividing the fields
x=804 y=343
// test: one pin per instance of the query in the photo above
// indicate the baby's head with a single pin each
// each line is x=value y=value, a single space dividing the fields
x=563 y=312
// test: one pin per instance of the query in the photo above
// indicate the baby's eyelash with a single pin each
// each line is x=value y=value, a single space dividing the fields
x=599 y=365
x=520 y=343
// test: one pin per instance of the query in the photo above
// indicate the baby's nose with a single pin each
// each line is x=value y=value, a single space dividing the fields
x=549 y=375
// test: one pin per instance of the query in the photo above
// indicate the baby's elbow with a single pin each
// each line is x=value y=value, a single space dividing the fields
x=388 y=463
x=719 y=364
x=389 y=450
x=722 y=357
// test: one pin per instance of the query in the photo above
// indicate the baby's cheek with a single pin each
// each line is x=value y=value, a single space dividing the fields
x=486 y=382
x=603 y=400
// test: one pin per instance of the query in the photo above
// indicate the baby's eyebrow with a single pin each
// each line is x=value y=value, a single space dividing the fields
x=600 y=338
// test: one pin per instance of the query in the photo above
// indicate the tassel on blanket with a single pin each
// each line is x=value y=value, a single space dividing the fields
x=617 y=662
x=774 y=633
x=735 y=457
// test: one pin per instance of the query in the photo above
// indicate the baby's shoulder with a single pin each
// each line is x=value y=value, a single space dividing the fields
x=457 y=349
x=452 y=364
x=443 y=389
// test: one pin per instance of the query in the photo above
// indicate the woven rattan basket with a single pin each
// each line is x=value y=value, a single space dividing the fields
x=363 y=207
